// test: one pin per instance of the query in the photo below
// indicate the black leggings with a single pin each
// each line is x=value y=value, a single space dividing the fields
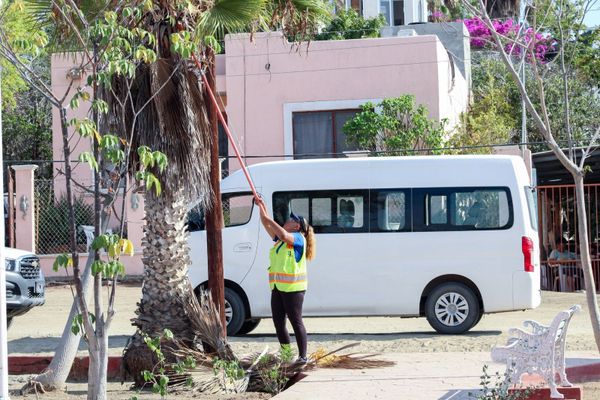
x=290 y=304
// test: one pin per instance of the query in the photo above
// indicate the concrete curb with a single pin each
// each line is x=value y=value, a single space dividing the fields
x=25 y=365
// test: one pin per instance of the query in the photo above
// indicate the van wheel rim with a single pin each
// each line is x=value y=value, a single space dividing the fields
x=228 y=312
x=451 y=309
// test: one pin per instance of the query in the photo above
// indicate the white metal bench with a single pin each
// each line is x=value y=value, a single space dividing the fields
x=541 y=351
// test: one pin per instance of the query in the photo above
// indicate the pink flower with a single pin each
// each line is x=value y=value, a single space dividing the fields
x=481 y=37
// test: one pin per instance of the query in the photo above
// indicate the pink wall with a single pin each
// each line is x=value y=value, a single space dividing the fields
x=61 y=64
x=82 y=173
x=264 y=81
x=329 y=75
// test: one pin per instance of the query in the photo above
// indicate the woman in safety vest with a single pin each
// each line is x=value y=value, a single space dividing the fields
x=294 y=244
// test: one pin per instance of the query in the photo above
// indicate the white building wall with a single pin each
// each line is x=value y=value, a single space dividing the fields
x=414 y=10
x=370 y=8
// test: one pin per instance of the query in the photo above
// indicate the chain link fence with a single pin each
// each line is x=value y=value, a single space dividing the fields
x=52 y=219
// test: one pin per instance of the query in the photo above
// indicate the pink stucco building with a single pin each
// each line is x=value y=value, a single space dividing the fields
x=284 y=101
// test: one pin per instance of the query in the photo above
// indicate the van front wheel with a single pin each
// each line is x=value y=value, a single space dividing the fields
x=452 y=308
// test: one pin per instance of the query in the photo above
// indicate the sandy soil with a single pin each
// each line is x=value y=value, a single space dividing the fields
x=39 y=331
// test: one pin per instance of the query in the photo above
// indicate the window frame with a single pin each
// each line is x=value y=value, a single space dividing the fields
x=334 y=152
x=374 y=210
x=334 y=194
x=419 y=209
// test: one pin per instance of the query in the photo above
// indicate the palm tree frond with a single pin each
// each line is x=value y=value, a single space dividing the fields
x=230 y=16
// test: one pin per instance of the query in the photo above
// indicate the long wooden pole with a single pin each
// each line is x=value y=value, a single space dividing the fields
x=214 y=215
x=227 y=131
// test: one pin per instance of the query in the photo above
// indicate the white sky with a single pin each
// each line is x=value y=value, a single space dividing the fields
x=593 y=17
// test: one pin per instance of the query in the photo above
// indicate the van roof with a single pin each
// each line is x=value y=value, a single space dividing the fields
x=411 y=171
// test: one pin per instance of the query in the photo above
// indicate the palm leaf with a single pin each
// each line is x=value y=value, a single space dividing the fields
x=230 y=16
x=46 y=16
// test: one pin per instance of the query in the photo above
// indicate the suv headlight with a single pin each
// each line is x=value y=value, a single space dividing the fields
x=10 y=265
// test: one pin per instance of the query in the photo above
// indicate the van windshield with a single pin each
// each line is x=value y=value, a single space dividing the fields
x=532 y=206
x=237 y=210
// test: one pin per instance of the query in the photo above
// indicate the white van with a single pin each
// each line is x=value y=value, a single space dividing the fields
x=445 y=237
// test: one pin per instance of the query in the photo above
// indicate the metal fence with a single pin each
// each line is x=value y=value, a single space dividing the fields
x=557 y=215
x=52 y=219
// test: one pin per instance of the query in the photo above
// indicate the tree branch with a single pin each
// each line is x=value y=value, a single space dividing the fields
x=544 y=127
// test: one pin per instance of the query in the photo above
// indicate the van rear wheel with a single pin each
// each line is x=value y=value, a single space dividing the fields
x=248 y=326
x=452 y=308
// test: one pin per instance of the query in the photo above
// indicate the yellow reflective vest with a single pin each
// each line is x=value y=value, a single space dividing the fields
x=288 y=274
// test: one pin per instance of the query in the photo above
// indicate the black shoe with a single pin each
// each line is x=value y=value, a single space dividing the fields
x=301 y=361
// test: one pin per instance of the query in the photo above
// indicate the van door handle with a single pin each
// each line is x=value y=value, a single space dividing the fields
x=242 y=247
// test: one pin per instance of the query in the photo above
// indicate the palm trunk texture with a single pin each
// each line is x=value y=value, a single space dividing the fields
x=166 y=288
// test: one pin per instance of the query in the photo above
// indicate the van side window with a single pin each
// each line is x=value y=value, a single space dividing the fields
x=437 y=209
x=350 y=212
x=390 y=211
x=459 y=209
x=330 y=211
x=237 y=209
x=321 y=211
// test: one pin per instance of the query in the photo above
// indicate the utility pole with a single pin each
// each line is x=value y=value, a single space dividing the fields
x=214 y=215
x=3 y=329
x=523 y=19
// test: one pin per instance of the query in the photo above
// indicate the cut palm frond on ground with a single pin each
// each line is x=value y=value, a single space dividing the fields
x=222 y=372
x=323 y=359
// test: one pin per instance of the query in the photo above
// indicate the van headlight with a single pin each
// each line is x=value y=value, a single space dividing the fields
x=9 y=264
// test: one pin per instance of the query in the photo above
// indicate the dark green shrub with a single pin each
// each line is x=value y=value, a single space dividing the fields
x=348 y=24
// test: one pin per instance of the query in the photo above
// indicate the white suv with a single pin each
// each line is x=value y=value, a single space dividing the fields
x=25 y=282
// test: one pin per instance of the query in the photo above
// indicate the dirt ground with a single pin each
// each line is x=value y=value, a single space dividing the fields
x=39 y=332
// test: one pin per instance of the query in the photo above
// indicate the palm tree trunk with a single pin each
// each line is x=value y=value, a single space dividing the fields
x=166 y=288
x=586 y=264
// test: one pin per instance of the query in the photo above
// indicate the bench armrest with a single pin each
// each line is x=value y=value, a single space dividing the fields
x=535 y=326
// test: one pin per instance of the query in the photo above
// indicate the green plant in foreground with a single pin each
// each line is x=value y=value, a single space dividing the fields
x=286 y=353
x=158 y=376
x=232 y=369
x=498 y=389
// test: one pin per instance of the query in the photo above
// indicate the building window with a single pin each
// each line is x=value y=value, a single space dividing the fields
x=398 y=12
x=393 y=11
x=319 y=134
x=357 y=5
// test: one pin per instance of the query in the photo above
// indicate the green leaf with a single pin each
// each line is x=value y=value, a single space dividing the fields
x=168 y=334
x=62 y=261
x=88 y=157
x=213 y=43
x=164 y=380
x=74 y=103
x=147 y=375
x=160 y=159
x=77 y=324
x=100 y=242
x=98 y=267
